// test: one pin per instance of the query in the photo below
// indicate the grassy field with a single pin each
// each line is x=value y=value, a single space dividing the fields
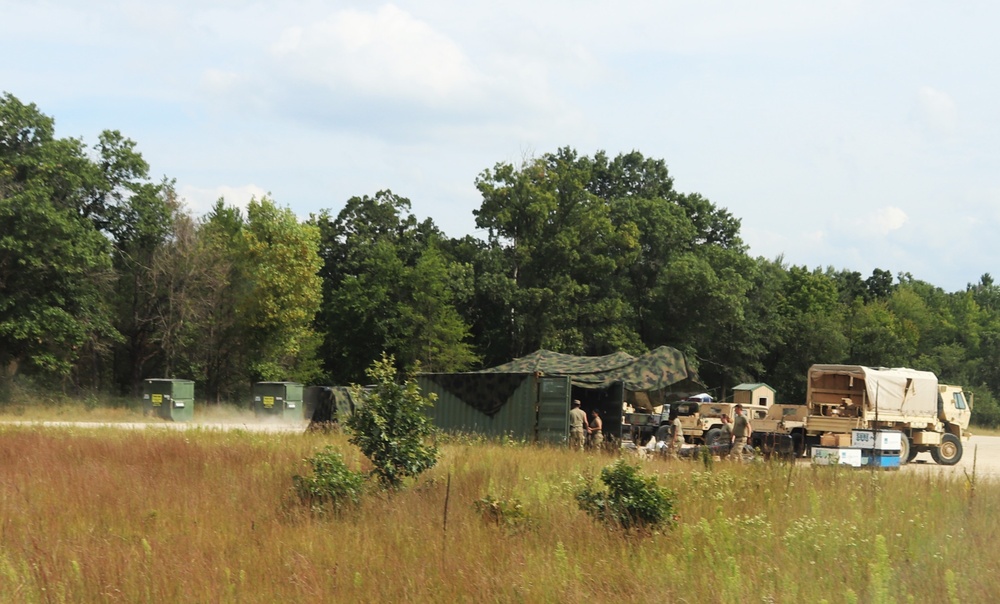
x=104 y=515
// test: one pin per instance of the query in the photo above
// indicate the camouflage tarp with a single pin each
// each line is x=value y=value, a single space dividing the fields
x=328 y=405
x=649 y=380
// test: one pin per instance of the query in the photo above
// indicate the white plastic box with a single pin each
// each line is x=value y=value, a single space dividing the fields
x=880 y=440
x=826 y=456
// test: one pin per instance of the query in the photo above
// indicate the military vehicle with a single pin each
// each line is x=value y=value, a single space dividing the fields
x=781 y=431
x=702 y=421
x=933 y=417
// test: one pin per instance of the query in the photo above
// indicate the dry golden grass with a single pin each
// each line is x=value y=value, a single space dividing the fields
x=104 y=515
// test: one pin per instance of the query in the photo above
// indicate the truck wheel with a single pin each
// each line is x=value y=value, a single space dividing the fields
x=798 y=444
x=905 y=446
x=713 y=437
x=949 y=451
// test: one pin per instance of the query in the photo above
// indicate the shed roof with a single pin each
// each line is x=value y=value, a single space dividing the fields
x=753 y=386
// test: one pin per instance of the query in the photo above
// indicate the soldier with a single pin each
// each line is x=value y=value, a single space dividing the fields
x=741 y=432
x=596 y=430
x=577 y=426
x=676 y=437
x=726 y=437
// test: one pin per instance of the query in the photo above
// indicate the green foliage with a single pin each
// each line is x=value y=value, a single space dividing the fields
x=432 y=331
x=391 y=428
x=505 y=512
x=630 y=500
x=986 y=410
x=881 y=582
x=54 y=262
x=281 y=265
x=387 y=287
x=332 y=484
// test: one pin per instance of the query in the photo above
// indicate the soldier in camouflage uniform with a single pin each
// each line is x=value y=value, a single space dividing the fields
x=596 y=430
x=577 y=426
x=741 y=433
x=676 y=437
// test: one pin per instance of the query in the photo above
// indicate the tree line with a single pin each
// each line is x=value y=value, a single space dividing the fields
x=106 y=279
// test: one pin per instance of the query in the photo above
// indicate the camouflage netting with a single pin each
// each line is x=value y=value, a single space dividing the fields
x=649 y=380
x=327 y=405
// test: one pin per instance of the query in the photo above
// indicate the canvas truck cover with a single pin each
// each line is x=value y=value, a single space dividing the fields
x=896 y=391
x=649 y=380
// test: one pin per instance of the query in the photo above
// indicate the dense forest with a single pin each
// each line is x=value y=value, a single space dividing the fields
x=106 y=279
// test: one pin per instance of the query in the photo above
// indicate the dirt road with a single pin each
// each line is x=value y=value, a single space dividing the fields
x=250 y=426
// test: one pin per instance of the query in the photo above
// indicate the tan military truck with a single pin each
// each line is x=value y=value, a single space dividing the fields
x=702 y=421
x=932 y=417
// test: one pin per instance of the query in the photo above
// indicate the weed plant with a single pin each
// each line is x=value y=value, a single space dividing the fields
x=106 y=515
x=332 y=485
x=629 y=500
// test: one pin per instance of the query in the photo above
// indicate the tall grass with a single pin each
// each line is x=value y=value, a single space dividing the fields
x=103 y=515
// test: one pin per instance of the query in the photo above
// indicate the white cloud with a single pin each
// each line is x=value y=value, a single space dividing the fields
x=884 y=220
x=385 y=54
x=200 y=200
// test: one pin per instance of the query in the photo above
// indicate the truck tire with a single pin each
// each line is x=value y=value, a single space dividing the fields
x=713 y=437
x=799 y=444
x=949 y=452
x=905 y=446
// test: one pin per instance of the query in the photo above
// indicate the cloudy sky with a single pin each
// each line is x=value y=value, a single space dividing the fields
x=847 y=134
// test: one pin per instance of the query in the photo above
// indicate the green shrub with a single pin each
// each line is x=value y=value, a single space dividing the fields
x=986 y=411
x=391 y=428
x=630 y=501
x=506 y=513
x=332 y=485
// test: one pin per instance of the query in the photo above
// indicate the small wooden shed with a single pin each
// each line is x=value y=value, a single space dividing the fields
x=753 y=394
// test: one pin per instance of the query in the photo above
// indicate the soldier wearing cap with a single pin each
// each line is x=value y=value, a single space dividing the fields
x=577 y=426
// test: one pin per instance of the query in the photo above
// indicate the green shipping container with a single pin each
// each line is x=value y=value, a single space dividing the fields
x=278 y=400
x=521 y=406
x=168 y=399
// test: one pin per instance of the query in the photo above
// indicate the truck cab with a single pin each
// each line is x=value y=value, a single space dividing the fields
x=955 y=409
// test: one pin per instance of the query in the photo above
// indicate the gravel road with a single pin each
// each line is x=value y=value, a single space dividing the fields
x=250 y=426
x=983 y=451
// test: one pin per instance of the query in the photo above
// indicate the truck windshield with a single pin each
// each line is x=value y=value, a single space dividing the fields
x=959 y=400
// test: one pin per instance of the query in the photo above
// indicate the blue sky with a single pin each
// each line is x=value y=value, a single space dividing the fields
x=856 y=135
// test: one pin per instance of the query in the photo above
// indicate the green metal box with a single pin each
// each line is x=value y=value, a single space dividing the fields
x=278 y=400
x=168 y=399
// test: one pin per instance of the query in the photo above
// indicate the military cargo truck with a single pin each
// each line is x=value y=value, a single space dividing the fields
x=933 y=417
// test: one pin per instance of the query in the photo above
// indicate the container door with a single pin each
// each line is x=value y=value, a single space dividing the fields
x=552 y=410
